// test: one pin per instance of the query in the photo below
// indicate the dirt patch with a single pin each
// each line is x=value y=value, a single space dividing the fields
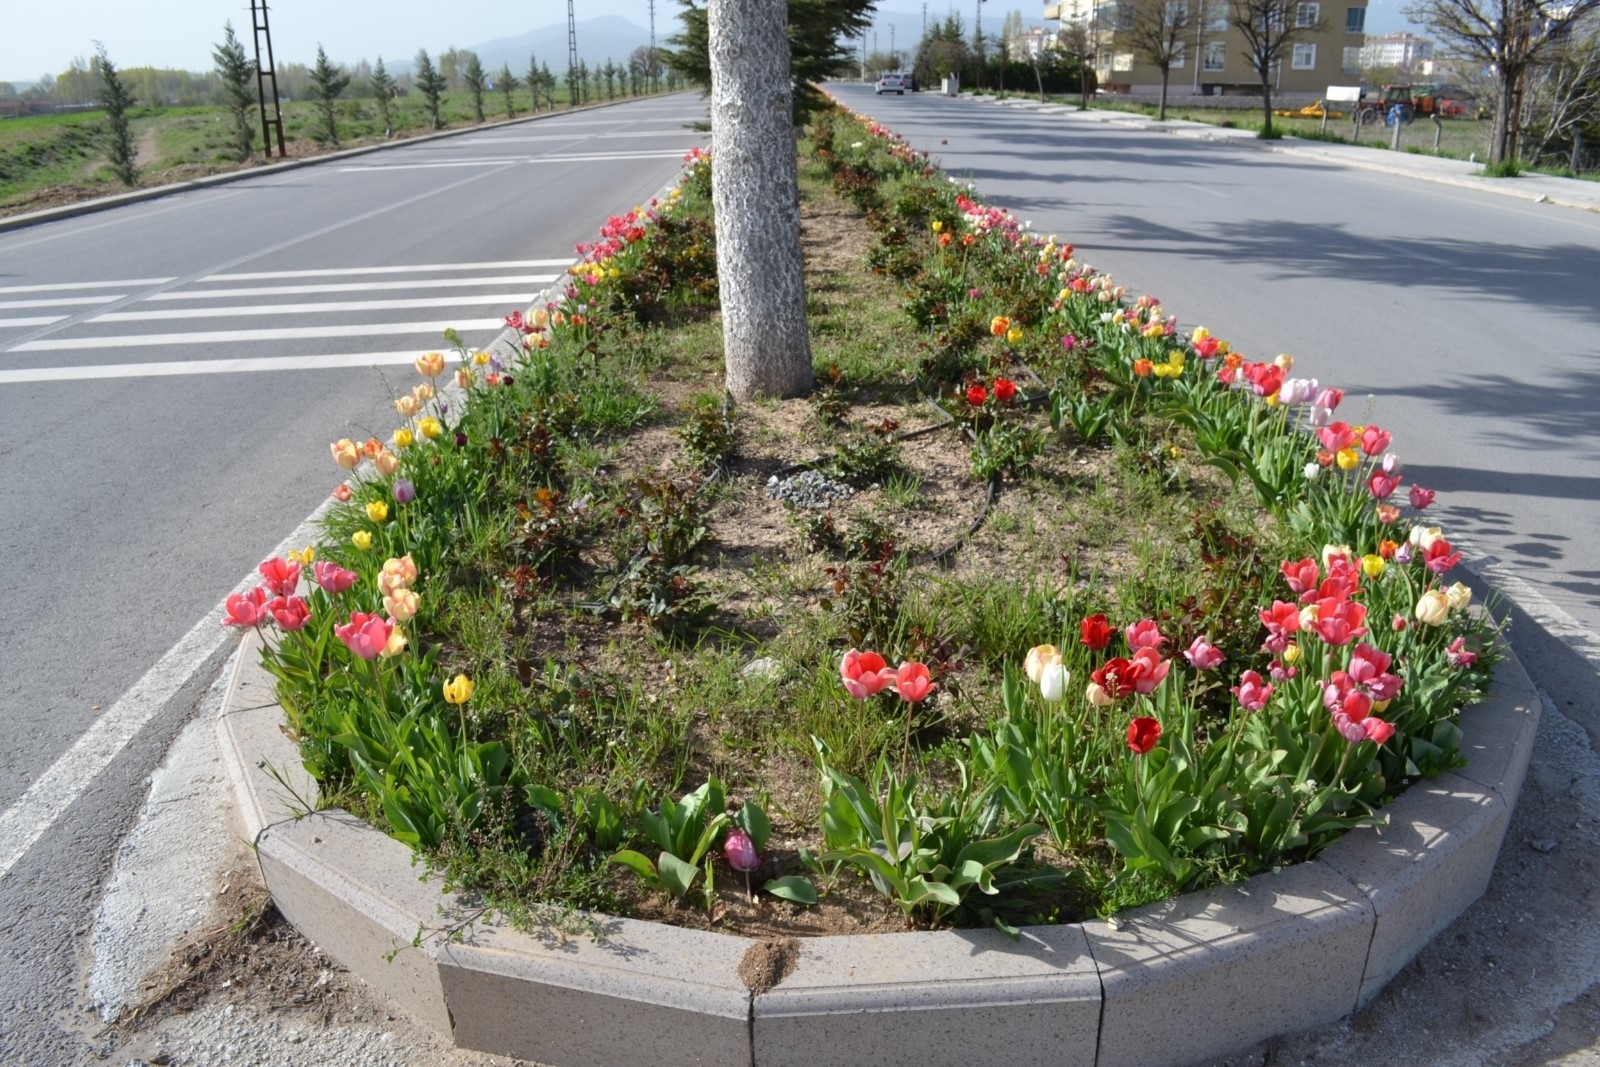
x=249 y=954
x=768 y=963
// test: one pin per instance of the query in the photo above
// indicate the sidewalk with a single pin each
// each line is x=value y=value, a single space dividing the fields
x=1539 y=188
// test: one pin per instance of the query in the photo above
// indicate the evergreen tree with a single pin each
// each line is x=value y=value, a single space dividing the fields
x=383 y=93
x=236 y=71
x=573 y=84
x=473 y=77
x=507 y=83
x=535 y=81
x=327 y=82
x=430 y=83
x=117 y=101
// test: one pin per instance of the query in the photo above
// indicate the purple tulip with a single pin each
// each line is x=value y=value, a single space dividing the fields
x=404 y=491
x=741 y=851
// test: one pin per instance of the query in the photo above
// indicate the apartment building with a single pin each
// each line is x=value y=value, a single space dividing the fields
x=1406 y=51
x=1218 y=62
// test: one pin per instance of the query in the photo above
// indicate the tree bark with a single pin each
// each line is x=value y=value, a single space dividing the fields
x=1161 y=110
x=755 y=196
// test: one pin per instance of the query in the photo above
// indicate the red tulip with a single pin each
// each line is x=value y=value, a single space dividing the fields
x=290 y=613
x=1143 y=733
x=913 y=683
x=281 y=575
x=1005 y=390
x=976 y=395
x=864 y=673
x=1376 y=729
x=1095 y=632
x=1113 y=677
x=1439 y=556
x=365 y=635
x=1280 y=619
x=1339 y=622
x=245 y=609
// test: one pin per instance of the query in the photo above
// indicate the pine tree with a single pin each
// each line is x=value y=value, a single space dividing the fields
x=383 y=93
x=473 y=77
x=328 y=82
x=236 y=71
x=430 y=83
x=508 y=84
x=117 y=101
x=535 y=81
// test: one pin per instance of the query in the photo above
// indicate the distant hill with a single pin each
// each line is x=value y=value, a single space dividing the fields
x=599 y=39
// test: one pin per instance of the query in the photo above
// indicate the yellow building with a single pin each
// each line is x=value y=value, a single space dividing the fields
x=1215 y=59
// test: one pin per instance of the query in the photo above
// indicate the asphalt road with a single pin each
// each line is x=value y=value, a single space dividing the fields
x=170 y=375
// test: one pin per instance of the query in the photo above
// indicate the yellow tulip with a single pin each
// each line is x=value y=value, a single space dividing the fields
x=1014 y=335
x=403 y=438
x=377 y=511
x=458 y=690
x=1459 y=596
x=430 y=365
x=1291 y=654
x=430 y=427
x=1372 y=565
x=1348 y=459
x=396 y=645
x=423 y=392
x=938 y=227
x=362 y=539
x=480 y=359
x=305 y=556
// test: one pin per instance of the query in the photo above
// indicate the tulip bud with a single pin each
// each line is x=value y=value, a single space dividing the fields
x=1053 y=680
x=741 y=851
x=404 y=491
x=342 y=493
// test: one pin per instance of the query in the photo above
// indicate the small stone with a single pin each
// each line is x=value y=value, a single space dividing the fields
x=765 y=669
x=1544 y=844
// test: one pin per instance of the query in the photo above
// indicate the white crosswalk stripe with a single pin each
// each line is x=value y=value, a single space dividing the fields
x=215 y=325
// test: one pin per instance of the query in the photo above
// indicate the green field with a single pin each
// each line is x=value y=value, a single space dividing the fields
x=47 y=160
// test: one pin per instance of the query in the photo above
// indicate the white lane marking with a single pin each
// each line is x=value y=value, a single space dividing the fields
x=344 y=272
x=62 y=302
x=336 y=361
x=605 y=157
x=430 y=166
x=509 y=300
x=675 y=132
x=48 y=798
x=42 y=320
x=131 y=283
x=355 y=287
x=1207 y=191
x=287 y=333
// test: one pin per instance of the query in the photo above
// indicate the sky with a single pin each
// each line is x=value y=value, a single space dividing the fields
x=43 y=36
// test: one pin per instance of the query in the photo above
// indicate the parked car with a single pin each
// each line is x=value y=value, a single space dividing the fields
x=892 y=83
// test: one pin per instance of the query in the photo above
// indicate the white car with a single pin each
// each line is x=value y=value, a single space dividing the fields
x=892 y=83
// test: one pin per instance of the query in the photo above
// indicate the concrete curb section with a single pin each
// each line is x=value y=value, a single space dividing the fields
x=105 y=203
x=1204 y=975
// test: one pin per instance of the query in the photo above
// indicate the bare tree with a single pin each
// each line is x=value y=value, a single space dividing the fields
x=1158 y=31
x=1563 y=100
x=1510 y=36
x=755 y=196
x=1270 y=29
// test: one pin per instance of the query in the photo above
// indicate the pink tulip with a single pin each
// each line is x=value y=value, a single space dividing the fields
x=1144 y=634
x=913 y=683
x=1252 y=691
x=332 y=577
x=1382 y=486
x=365 y=635
x=1376 y=729
x=245 y=609
x=1330 y=398
x=1339 y=622
x=1458 y=654
x=1147 y=670
x=864 y=673
x=1203 y=655
x=342 y=493
x=1302 y=575
x=1420 y=497
x=290 y=613
x=282 y=576
x=741 y=851
x=1439 y=556
x=1281 y=618
x=1374 y=442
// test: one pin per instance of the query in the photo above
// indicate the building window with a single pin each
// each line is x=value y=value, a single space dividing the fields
x=1177 y=57
x=1216 y=52
x=1177 y=13
x=1350 y=61
x=1355 y=20
x=1216 y=17
x=1122 y=61
x=1305 y=57
x=1307 y=15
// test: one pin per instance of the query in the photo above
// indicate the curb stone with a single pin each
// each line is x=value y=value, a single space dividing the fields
x=1209 y=973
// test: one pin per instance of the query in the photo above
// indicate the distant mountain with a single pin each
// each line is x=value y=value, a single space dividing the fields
x=599 y=39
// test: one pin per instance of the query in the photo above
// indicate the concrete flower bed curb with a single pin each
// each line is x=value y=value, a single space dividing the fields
x=1204 y=975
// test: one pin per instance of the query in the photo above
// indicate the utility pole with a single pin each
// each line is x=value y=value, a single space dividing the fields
x=894 y=57
x=265 y=72
x=572 y=40
x=653 y=86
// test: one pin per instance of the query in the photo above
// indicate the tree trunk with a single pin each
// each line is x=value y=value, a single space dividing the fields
x=755 y=197
x=1161 y=108
x=1500 y=136
x=1266 y=102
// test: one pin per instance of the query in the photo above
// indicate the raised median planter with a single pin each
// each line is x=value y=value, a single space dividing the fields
x=1200 y=976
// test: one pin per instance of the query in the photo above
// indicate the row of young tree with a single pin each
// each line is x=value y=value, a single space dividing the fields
x=233 y=83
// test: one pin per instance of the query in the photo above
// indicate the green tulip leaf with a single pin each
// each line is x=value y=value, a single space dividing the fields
x=792 y=887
